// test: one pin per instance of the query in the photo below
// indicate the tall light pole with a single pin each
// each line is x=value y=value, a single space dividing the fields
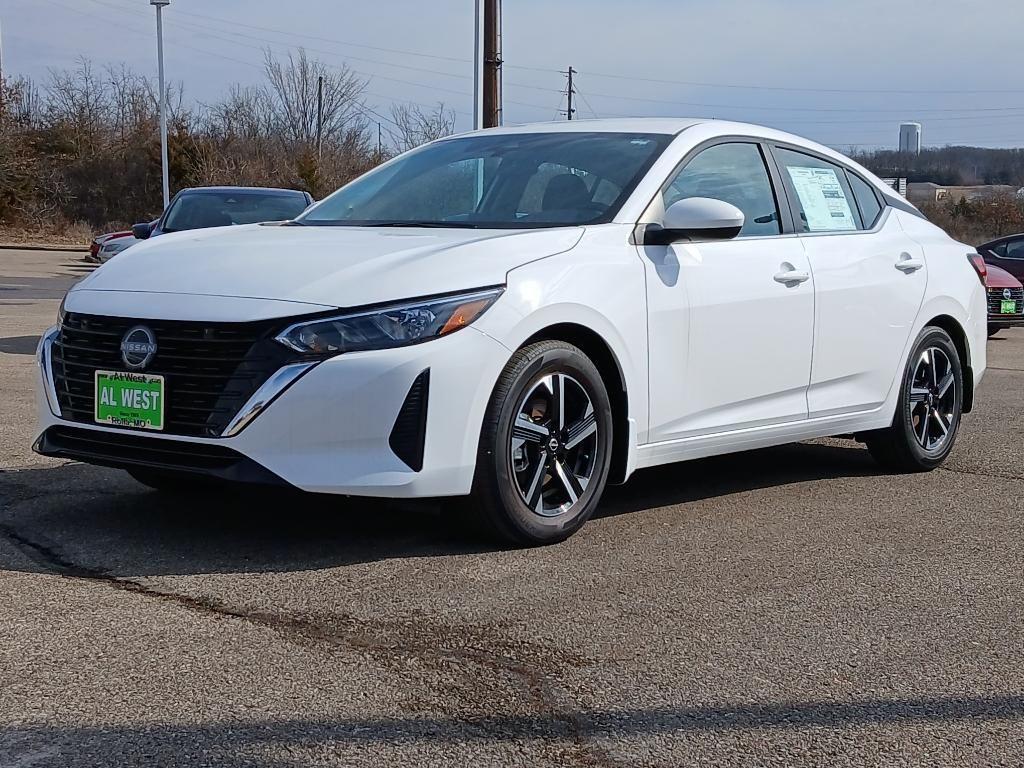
x=159 y=5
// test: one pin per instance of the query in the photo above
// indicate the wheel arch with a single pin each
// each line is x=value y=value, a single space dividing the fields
x=601 y=354
x=963 y=347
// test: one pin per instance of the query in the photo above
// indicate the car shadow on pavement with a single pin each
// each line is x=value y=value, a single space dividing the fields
x=103 y=521
x=272 y=743
x=19 y=345
x=738 y=472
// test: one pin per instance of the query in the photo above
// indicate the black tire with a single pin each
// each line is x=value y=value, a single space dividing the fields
x=993 y=330
x=497 y=500
x=900 y=448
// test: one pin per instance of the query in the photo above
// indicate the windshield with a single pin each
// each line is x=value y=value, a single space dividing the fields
x=199 y=210
x=498 y=181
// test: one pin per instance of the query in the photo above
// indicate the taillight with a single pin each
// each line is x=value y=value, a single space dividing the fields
x=979 y=266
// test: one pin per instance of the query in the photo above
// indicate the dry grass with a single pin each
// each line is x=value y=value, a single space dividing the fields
x=77 y=234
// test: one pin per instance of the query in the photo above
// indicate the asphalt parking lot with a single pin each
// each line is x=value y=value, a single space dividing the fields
x=785 y=607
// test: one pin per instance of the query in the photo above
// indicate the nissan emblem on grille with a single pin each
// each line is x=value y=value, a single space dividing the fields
x=1007 y=294
x=138 y=347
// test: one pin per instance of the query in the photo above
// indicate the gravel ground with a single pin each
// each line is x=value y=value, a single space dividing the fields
x=787 y=607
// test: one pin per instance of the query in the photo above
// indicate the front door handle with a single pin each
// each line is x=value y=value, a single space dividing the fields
x=790 y=276
x=908 y=263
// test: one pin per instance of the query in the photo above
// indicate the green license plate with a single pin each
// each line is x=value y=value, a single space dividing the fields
x=125 y=399
x=1008 y=308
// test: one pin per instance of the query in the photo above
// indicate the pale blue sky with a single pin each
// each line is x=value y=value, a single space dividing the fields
x=856 y=68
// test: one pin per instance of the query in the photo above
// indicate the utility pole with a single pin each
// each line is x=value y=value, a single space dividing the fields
x=319 y=118
x=159 y=5
x=492 y=64
x=2 y=89
x=477 y=104
x=569 y=91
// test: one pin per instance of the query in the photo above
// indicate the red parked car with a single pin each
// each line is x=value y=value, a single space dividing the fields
x=1005 y=300
x=99 y=240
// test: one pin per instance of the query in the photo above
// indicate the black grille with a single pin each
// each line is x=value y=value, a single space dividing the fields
x=996 y=297
x=410 y=430
x=210 y=369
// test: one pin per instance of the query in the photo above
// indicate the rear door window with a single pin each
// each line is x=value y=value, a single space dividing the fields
x=1013 y=250
x=822 y=197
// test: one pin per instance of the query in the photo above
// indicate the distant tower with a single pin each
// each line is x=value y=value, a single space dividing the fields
x=910 y=138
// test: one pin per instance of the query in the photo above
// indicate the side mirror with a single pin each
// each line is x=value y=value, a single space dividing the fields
x=701 y=218
x=142 y=231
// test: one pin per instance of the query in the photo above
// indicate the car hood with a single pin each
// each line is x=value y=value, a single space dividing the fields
x=1000 y=278
x=328 y=266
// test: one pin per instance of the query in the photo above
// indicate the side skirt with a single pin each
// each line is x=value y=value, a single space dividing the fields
x=734 y=441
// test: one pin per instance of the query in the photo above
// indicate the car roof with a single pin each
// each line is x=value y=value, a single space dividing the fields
x=670 y=126
x=241 y=191
x=663 y=125
x=1000 y=240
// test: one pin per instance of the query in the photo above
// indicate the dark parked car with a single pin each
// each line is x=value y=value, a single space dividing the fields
x=202 y=207
x=1005 y=300
x=1006 y=253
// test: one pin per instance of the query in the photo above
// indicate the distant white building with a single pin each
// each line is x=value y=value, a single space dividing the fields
x=910 y=138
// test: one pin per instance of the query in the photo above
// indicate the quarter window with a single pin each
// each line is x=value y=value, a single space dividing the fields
x=824 y=201
x=867 y=200
x=735 y=173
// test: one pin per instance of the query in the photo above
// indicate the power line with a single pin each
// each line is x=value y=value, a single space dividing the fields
x=795 y=89
x=584 y=98
x=361 y=108
x=235 y=23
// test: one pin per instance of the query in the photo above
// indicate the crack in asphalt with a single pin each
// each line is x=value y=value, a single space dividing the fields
x=544 y=695
x=993 y=475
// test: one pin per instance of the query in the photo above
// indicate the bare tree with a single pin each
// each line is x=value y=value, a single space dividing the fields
x=415 y=126
x=291 y=96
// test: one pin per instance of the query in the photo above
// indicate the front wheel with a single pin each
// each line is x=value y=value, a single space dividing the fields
x=545 y=446
x=929 y=409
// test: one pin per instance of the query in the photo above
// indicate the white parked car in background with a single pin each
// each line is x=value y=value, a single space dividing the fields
x=112 y=246
x=523 y=315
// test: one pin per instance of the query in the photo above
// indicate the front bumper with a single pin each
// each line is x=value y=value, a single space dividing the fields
x=330 y=431
x=1005 y=321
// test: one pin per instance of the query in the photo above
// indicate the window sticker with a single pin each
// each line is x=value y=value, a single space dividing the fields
x=826 y=208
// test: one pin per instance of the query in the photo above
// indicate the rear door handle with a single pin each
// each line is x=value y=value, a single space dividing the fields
x=790 y=276
x=908 y=264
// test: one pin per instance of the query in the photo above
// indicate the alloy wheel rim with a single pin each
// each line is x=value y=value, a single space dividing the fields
x=553 y=446
x=933 y=399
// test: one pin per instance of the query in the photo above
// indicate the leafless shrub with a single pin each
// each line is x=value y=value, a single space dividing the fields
x=86 y=145
x=414 y=126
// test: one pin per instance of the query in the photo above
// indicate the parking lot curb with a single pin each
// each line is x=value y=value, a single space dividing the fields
x=42 y=247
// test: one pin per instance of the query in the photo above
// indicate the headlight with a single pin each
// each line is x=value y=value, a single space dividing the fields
x=60 y=310
x=394 y=326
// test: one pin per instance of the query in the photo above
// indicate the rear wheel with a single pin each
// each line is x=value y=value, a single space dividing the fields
x=928 y=413
x=545 y=446
x=993 y=330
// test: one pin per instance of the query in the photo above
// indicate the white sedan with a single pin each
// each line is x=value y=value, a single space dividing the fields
x=520 y=316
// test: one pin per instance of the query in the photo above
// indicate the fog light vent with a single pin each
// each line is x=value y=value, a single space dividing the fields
x=410 y=431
